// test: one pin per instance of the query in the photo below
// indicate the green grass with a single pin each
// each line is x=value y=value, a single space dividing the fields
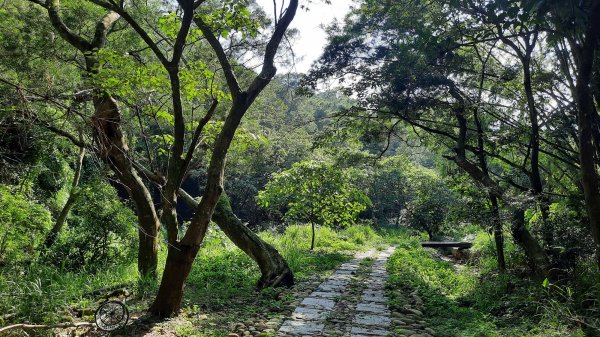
x=223 y=272
x=222 y=276
x=473 y=300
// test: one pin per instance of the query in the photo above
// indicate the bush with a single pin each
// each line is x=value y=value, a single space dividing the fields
x=101 y=231
x=23 y=225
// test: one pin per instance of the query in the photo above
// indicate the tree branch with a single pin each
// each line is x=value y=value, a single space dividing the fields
x=53 y=7
x=232 y=83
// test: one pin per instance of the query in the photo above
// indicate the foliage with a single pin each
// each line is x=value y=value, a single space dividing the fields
x=466 y=301
x=23 y=225
x=415 y=196
x=316 y=192
x=222 y=275
x=101 y=232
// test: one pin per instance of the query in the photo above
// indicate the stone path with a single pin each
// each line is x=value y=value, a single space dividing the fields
x=351 y=303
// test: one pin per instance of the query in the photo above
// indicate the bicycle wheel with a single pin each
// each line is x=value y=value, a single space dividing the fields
x=111 y=315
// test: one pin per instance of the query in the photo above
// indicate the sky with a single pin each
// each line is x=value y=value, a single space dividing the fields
x=309 y=46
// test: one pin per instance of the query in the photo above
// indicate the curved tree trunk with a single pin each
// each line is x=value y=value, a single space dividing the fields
x=181 y=254
x=273 y=267
x=536 y=255
x=73 y=195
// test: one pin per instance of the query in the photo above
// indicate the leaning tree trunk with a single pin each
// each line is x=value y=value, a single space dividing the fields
x=73 y=195
x=536 y=255
x=273 y=267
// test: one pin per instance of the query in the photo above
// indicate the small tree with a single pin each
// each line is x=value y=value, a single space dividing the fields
x=316 y=192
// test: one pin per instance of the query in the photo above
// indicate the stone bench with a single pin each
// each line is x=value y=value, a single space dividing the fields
x=456 y=246
x=447 y=244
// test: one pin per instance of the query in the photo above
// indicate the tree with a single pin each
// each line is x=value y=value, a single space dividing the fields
x=440 y=69
x=316 y=192
x=202 y=23
x=579 y=30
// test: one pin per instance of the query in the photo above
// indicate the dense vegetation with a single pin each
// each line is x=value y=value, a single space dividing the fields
x=152 y=145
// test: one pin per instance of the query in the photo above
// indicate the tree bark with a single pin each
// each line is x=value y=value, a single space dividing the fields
x=536 y=256
x=113 y=150
x=180 y=260
x=586 y=112
x=273 y=267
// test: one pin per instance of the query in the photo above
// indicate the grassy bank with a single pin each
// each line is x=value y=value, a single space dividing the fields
x=473 y=300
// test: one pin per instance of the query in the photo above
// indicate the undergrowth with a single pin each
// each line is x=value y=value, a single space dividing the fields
x=222 y=274
x=474 y=300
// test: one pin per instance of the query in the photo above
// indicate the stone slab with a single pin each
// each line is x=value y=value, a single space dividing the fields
x=332 y=285
x=372 y=320
x=301 y=328
x=310 y=314
x=317 y=302
x=326 y=294
x=372 y=297
x=360 y=331
x=376 y=308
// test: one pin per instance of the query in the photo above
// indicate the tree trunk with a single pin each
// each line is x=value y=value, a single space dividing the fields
x=536 y=256
x=273 y=267
x=73 y=195
x=586 y=112
x=498 y=234
x=535 y=178
x=312 y=240
x=180 y=260
x=114 y=151
x=60 y=221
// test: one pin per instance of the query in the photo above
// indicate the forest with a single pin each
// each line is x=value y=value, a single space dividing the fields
x=165 y=170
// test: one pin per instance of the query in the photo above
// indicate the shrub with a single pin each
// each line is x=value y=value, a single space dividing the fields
x=23 y=224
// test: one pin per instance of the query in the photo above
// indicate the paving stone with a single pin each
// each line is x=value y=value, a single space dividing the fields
x=318 y=303
x=380 y=309
x=372 y=320
x=302 y=327
x=373 y=298
x=360 y=331
x=318 y=314
x=349 y=266
x=345 y=278
x=332 y=286
x=312 y=314
x=326 y=294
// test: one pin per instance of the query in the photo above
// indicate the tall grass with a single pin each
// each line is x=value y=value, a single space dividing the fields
x=222 y=273
x=473 y=300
